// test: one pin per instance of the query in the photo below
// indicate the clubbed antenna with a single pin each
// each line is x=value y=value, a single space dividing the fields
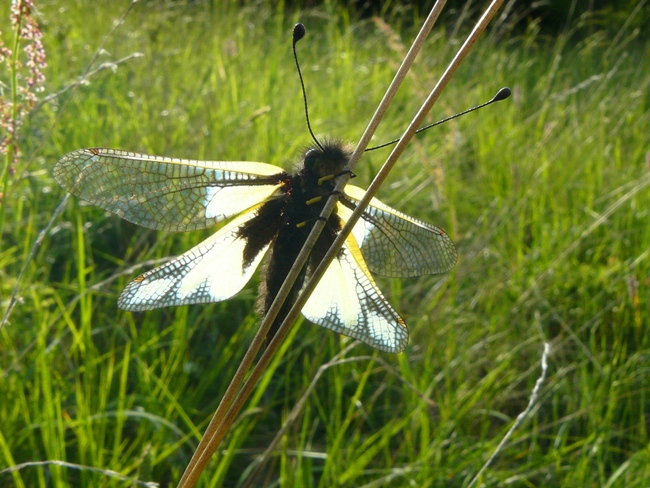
x=501 y=95
x=299 y=33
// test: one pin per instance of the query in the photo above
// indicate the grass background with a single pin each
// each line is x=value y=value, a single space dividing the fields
x=546 y=196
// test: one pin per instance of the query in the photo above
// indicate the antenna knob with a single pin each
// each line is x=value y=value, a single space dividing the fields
x=298 y=32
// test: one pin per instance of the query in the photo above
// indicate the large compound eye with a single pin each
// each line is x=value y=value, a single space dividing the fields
x=311 y=157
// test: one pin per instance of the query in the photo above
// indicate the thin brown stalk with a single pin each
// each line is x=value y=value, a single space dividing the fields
x=211 y=440
x=231 y=405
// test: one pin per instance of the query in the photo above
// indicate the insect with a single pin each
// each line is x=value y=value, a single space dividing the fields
x=272 y=212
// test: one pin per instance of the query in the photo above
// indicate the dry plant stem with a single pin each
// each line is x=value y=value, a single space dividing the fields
x=390 y=162
x=206 y=449
x=521 y=416
x=309 y=287
x=213 y=434
x=191 y=474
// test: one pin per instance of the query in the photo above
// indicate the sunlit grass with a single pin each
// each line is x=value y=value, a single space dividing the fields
x=546 y=196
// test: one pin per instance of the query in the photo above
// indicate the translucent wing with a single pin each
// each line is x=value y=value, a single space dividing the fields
x=210 y=272
x=166 y=193
x=347 y=301
x=394 y=244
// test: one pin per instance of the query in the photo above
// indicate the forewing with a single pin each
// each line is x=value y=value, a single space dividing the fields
x=210 y=272
x=394 y=244
x=347 y=300
x=166 y=193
